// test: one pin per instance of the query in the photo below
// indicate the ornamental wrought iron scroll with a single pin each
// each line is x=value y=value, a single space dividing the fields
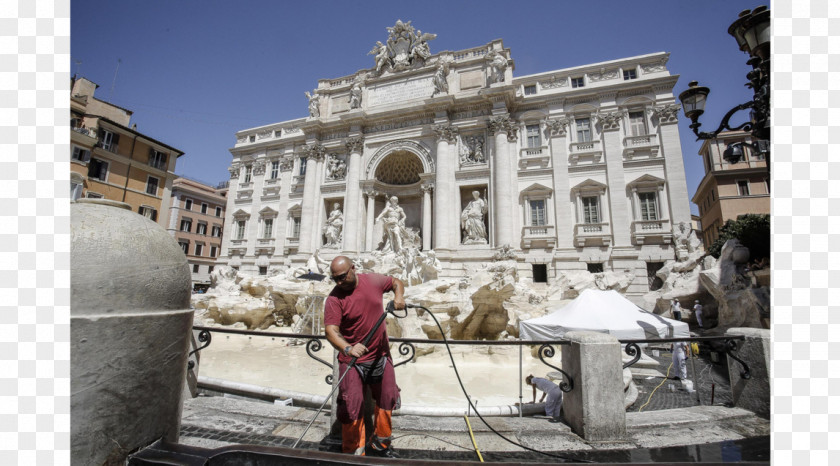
x=731 y=346
x=203 y=337
x=313 y=346
x=406 y=349
x=633 y=350
x=547 y=351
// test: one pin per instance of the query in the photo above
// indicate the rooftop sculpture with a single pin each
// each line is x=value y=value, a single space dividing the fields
x=404 y=48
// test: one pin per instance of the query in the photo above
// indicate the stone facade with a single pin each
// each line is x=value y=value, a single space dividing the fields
x=575 y=169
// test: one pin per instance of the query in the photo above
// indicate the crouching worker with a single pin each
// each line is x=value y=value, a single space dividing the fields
x=351 y=310
x=552 y=390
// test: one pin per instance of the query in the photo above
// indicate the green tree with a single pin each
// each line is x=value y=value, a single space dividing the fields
x=752 y=230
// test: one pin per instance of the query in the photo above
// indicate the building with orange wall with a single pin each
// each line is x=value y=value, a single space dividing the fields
x=728 y=190
x=196 y=220
x=110 y=160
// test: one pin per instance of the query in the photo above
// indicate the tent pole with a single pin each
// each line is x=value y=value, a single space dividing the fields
x=519 y=382
x=694 y=370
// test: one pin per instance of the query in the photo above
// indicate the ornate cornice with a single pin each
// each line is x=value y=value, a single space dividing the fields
x=667 y=114
x=445 y=132
x=355 y=144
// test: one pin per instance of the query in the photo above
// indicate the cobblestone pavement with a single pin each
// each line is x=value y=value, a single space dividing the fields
x=708 y=373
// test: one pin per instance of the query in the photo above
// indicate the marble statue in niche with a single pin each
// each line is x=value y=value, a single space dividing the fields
x=472 y=220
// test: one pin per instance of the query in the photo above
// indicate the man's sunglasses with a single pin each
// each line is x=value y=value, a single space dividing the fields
x=338 y=278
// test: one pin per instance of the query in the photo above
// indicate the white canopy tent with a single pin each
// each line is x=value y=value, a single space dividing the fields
x=605 y=312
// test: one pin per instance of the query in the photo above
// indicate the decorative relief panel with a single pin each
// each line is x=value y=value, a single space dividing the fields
x=554 y=82
x=264 y=134
x=603 y=75
x=471 y=150
x=654 y=67
x=426 y=120
x=242 y=139
x=336 y=168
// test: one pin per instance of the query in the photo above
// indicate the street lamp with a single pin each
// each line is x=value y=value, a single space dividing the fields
x=752 y=33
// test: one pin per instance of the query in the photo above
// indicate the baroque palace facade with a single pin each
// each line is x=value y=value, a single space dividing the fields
x=571 y=169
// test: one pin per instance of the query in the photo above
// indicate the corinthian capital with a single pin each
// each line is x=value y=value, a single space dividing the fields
x=666 y=113
x=498 y=123
x=234 y=171
x=610 y=120
x=558 y=126
x=314 y=151
x=259 y=168
x=445 y=132
x=427 y=187
x=355 y=144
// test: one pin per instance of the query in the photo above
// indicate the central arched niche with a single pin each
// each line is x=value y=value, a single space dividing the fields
x=399 y=168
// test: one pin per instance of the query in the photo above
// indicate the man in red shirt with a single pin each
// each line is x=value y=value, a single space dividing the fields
x=352 y=309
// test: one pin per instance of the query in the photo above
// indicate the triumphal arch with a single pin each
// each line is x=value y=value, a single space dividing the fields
x=570 y=169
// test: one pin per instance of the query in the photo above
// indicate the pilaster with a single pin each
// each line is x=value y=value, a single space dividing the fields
x=352 y=200
x=444 y=185
x=619 y=220
x=314 y=154
x=565 y=225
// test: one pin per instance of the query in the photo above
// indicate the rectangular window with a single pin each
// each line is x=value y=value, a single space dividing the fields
x=217 y=231
x=531 y=90
x=98 y=169
x=203 y=208
x=109 y=141
x=157 y=159
x=533 y=132
x=275 y=169
x=637 y=124
x=629 y=74
x=201 y=228
x=302 y=170
x=93 y=195
x=148 y=212
x=188 y=204
x=213 y=251
x=218 y=211
x=537 y=212
x=595 y=267
x=198 y=249
x=647 y=206
x=268 y=226
x=185 y=246
x=295 y=227
x=82 y=155
x=195 y=268
x=247 y=174
x=743 y=188
x=240 y=229
x=209 y=269
x=186 y=225
x=590 y=210
x=263 y=270
x=654 y=282
x=152 y=186
x=577 y=82
x=584 y=133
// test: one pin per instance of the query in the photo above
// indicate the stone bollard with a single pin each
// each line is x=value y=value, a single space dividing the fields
x=753 y=393
x=130 y=325
x=595 y=406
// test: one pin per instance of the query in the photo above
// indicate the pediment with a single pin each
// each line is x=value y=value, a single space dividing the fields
x=589 y=185
x=240 y=214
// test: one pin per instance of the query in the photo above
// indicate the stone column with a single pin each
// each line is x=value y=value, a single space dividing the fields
x=560 y=166
x=595 y=406
x=427 y=215
x=753 y=393
x=444 y=186
x=353 y=197
x=502 y=128
x=371 y=200
x=616 y=183
x=314 y=153
x=669 y=140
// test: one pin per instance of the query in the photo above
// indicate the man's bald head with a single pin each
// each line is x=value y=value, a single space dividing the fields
x=340 y=265
x=342 y=272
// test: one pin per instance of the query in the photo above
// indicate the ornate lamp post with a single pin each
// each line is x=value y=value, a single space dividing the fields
x=752 y=32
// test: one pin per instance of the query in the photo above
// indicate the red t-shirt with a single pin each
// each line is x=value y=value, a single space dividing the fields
x=355 y=312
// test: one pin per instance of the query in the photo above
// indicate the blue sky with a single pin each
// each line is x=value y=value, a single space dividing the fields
x=196 y=72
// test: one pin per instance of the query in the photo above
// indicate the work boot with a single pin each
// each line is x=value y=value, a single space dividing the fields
x=383 y=448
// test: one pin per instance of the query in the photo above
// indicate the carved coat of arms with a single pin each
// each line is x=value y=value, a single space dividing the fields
x=405 y=48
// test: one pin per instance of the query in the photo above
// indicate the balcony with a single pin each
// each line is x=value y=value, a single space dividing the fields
x=652 y=231
x=264 y=246
x=534 y=156
x=594 y=234
x=587 y=149
x=646 y=146
x=538 y=236
x=89 y=132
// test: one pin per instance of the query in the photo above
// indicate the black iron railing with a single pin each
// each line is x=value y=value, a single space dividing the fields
x=727 y=344
x=406 y=347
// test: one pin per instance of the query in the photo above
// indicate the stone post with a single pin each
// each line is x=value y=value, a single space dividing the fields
x=351 y=201
x=595 y=406
x=502 y=188
x=444 y=185
x=371 y=203
x=753 y=393
x=427 y=216
x=309 y=214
